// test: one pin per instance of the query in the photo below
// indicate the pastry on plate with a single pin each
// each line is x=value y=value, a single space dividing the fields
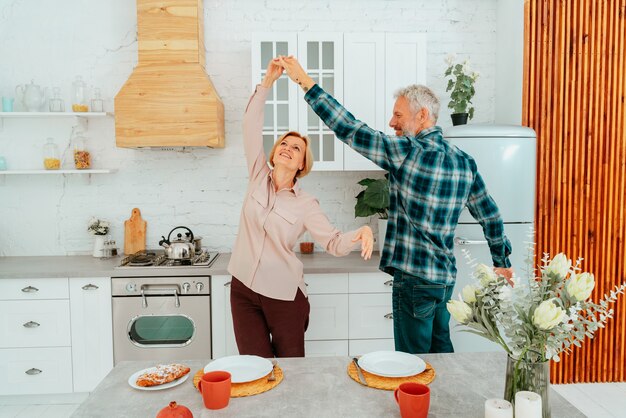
x=161 y=374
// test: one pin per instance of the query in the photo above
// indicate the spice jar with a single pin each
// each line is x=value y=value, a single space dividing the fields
x=51 y=159
x=82 y=157
x=97 y=104
x=79 y=99
x=56 y=103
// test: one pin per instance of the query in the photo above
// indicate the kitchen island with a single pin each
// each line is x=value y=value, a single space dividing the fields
x=319 y=387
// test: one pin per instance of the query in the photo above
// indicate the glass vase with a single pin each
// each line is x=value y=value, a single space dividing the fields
x=529 y=376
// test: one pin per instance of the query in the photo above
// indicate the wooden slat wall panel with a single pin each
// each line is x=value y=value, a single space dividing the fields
x=574 y=87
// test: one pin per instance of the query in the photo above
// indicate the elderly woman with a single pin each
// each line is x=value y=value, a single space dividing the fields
x=268 y=295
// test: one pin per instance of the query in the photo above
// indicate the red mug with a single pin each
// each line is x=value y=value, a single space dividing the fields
x=215 y=388
x=413 y=399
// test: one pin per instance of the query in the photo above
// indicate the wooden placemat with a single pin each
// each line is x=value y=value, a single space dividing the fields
x=391 y=383
x=254 y=387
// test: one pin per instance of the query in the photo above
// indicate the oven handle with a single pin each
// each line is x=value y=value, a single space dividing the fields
x=146 y=291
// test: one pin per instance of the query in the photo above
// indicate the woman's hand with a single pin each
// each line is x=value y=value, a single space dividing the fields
x=365 y=235
x=273 y=73
x=296 y=72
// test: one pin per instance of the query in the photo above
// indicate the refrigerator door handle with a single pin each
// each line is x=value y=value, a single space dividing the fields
x=465 y=241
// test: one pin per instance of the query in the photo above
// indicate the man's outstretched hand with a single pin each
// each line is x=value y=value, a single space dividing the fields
x=507 y=273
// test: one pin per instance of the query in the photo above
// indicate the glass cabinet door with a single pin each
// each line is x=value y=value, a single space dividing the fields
x=280 y=115
x=321 y=56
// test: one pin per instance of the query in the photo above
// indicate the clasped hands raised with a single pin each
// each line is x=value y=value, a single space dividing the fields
x=292 y=67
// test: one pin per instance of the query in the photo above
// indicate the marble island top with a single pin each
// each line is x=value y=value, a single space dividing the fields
x=319 y=387
x=88 y=266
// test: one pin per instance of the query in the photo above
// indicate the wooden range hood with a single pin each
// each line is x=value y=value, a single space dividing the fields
x=168 y=100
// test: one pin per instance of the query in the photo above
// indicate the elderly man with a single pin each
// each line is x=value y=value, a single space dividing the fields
x=430 y=182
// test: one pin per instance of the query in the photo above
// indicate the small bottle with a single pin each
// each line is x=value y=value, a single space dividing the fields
x=79 y=100
x=97 y=104
x=51 y=160
x=56 y=104
x=82 y=157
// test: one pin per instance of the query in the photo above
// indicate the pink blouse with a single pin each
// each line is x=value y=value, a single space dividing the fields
x=272 y=222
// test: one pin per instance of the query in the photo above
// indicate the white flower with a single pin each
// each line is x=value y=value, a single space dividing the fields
x=466 y=67
x=485 y=274
x=475 y=75
x=559 y=265
x=506 y=293
x=469 y=294
x=548 y=315
x=450 y=59
x=580 y=286
x=459 y=310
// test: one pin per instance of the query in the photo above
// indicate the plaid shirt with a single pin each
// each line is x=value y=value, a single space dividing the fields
x=430 y=181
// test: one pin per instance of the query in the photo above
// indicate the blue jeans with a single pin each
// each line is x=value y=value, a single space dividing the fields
x=420 y=318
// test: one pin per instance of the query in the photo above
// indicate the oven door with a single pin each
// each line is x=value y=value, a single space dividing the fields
x=162 y=331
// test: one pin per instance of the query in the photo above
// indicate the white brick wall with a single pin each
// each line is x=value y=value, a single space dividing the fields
x=51 y=42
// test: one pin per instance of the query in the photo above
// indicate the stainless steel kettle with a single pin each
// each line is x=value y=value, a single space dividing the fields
x=180 y=248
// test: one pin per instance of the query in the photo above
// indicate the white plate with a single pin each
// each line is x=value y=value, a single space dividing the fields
x=241 y=368
x=392 y=364
x=132 y=381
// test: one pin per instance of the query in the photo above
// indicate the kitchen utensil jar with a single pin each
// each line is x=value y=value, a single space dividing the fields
x=82 y=157
x=51 y=159
x=79 y=96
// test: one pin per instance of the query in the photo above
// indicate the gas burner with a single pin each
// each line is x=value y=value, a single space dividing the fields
x=158 y=259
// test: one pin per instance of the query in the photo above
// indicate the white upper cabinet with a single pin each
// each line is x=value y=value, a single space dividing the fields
x=321 y=55
x=280 y=113
x=405 y=64
x=364 y=88
x=361 y=70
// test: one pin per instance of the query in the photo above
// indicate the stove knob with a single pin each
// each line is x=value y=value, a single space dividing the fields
x=199 y=286
x=186 y=287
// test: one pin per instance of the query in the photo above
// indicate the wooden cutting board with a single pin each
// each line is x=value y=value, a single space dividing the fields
x=134 y=233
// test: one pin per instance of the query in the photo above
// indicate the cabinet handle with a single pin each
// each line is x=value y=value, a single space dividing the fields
x=31 y=324
x=227 y=284
x=32 y=371
x=306 y=284
x=389 y=283
x=30 y=289
x=389 y=316
x=90 y=287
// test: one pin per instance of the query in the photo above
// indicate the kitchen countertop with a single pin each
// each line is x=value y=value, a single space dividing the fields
x=88 y=266
x=319 y=387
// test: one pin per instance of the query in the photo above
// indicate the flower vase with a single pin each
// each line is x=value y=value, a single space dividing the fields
x=534 y=377
x=98 y=245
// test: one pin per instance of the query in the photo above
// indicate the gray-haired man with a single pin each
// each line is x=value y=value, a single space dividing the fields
x=430 y=182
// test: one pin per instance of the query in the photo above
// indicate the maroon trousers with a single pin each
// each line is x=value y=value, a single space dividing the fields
x=257 y=317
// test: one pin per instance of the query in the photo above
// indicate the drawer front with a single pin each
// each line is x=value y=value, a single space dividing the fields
x=35 y=371
x=360 y=347
x=331 y=348
x=370 y=316
x=34 y=323
x=329 y=317
x=319 y=284
x=28 y=289
x=370 y=283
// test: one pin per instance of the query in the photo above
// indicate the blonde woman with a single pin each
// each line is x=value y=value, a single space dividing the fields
x=268 y=296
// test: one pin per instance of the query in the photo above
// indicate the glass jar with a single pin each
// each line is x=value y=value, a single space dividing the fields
x=530 y=376
x=56 y=104
x=97 y=104
x=82 y=157
x=51 y=159
x=79 y=96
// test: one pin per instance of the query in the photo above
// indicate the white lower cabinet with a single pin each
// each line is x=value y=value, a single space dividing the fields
x=222 y=335
x=326 y=348
x=329 y=318
x=360 y=347
x=92 y=332
x=55 y=335
x=27 y=371
x=371 y=316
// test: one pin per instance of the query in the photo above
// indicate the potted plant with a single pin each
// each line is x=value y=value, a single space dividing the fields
x=374 y=200
x=461 y=83
x=100 y=229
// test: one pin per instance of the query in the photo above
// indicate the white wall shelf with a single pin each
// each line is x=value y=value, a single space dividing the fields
x=54 y=114
x=87 y=171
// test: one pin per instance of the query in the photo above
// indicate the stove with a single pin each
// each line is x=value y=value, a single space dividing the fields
x=158 y=259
